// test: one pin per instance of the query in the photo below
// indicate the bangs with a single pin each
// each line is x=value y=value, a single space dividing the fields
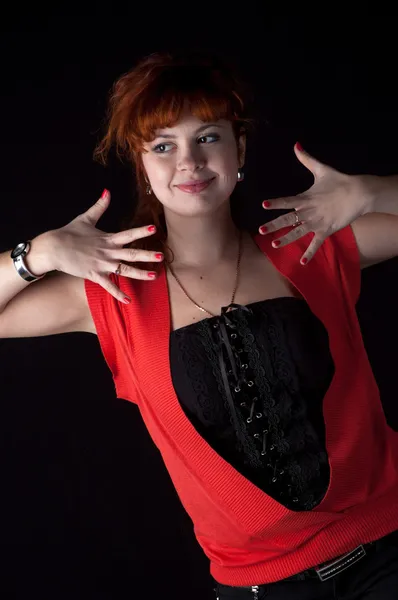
x=205 y=94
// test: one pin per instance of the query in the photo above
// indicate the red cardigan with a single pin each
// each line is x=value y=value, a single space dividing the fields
x=248 y=536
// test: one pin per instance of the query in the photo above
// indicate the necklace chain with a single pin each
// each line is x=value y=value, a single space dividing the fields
x=236 y=280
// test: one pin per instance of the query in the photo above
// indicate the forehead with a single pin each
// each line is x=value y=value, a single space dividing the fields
x=189 y=123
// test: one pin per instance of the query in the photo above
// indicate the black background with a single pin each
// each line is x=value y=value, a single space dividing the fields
x=87 y=507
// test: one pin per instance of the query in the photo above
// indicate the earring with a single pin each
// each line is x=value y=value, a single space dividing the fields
x=148 y=190
x=241 y=175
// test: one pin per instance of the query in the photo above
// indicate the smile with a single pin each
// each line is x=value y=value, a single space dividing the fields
x=195 y=187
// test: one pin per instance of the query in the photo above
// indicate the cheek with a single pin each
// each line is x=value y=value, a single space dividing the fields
x=228 y=162
x=163 y=174
x=159 y=171
x=228 y=169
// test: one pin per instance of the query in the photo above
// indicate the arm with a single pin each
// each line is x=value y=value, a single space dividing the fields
x=376 y=231
x=376 y=235
x=55 y=304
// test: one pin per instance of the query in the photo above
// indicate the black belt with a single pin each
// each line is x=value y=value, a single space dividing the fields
x=328 y=569
x=332 y=568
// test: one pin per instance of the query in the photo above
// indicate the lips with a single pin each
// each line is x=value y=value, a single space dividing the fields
x=195 y=187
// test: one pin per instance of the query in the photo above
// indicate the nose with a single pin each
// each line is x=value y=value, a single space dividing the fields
x=190 y=159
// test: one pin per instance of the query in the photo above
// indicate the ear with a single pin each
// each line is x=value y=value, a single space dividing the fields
x=242 y=148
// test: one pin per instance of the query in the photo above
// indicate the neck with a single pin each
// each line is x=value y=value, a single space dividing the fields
x=201 y=242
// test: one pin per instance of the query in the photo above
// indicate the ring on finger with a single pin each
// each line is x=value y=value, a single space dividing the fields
x=297 y=221
x=117 y=270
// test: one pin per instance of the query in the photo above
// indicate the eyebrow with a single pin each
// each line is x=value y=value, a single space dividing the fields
x=206 y=126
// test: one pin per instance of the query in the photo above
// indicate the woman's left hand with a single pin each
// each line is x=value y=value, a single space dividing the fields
x=334 y=201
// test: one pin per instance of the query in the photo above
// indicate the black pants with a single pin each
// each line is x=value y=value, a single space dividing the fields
x=374 y=577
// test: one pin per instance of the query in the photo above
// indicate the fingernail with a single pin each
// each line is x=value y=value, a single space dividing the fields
x=152 y=275
x=152 y=228
x=126 y=300
x=159 y=256
x=266 y=204
x=263 y=229
x=105 y=193
x=299 y=147
x=304 y=261
x=276 y=243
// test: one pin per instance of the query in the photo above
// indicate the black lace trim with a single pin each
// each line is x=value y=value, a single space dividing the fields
x=269 y=437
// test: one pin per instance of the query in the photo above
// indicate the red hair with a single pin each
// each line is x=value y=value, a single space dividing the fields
x=152 y=96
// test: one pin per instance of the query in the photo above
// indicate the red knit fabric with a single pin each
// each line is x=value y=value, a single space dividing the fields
x=249 y=537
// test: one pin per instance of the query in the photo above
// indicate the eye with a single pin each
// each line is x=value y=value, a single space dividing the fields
x=209 y=138
x=161 y=148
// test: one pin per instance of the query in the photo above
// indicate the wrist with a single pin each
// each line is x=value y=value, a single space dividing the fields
x=40 y=258
x=382 y=193
x=370 y=189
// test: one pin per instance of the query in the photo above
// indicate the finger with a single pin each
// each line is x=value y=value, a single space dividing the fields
x=286 y=220
x=290 y=237
x=112 y=289
x=312 y=164
x=96 y=211
x=314 y=246
x=131 y=235
x=286 y=203
x=134 y=273
x=300 y=201
x=135 y=255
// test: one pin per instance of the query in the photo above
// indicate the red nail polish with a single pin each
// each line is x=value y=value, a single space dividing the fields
x=159 y=256
x=304 y=261
x=126 y=300
x=152 y=228
x=299 y=147
x=276 y=243
x=263 y=229
x=266 y=204
x=104 y=193
x=152 y=275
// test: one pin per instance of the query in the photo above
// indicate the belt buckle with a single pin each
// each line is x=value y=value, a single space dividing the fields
x=341 y=564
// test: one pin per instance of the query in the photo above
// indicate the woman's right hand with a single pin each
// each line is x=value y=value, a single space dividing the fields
x=82 y=250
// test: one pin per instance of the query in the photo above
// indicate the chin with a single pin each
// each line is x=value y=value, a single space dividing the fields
x=195 y=206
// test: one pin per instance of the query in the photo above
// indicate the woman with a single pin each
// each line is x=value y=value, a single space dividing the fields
x=243 y=353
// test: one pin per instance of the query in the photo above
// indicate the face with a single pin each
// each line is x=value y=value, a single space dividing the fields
x=192 y=167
